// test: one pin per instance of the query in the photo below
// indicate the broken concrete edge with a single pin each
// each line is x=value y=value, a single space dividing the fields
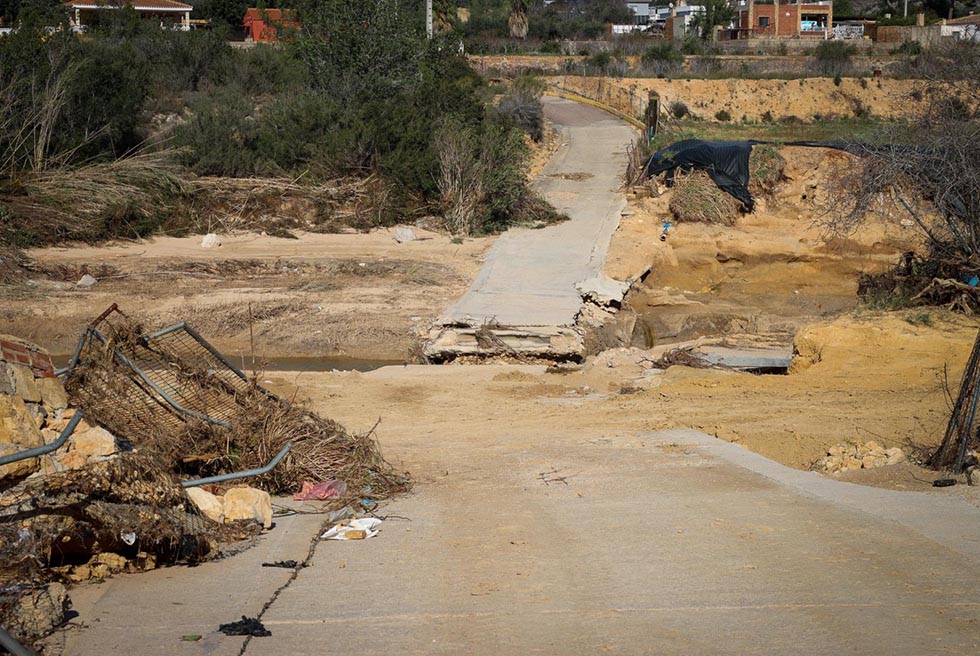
x=951 y=522
x=480 y=339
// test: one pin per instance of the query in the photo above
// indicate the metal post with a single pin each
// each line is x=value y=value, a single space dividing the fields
x=428 y=19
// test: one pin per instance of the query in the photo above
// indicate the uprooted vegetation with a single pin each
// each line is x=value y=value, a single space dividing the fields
x=930 y=184
x=158 y=410
x=697 y=198
x=133 y=130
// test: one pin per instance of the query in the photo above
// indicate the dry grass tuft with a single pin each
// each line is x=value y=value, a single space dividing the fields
x=698 y=199
x=129 y=196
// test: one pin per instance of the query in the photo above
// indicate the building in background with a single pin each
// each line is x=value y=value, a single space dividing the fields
x=169 y=13
x=796 y=20
x=269 y=25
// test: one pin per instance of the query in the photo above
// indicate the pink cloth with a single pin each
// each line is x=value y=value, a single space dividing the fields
x=321 y=491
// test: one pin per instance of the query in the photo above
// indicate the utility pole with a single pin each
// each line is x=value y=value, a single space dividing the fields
x=906 y=8
x=428 y=18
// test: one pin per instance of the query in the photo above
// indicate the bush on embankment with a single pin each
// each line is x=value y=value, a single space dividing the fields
x=359 y=93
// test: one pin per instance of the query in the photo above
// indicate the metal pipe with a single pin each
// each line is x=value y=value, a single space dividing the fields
x=75 y=356
x=166 y=331
x=242 y=474
x=8 y=642
x=45 y=448
x=216 y=353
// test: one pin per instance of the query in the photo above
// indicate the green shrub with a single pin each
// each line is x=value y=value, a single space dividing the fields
x=662 y=58
x=833 y=57
x=551 y=47
x=601 y=60
x=723 y=115
x=908 y=47
x=678 y=109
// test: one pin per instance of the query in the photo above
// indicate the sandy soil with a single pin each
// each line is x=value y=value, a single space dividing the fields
x=772 y=273
x=873 y=376
x=351 y=295
x=858 y=376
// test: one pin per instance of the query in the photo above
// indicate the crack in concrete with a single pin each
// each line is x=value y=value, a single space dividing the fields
x=278 y=591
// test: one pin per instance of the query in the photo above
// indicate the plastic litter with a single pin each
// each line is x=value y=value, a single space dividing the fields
x=247 y=626
x=285 y=564
x=340 y=514
x=321 y=491
x=944 y=482
x=356 y=529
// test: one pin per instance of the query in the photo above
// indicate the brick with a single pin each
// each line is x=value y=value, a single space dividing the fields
x=41 y=360
x=13 y=347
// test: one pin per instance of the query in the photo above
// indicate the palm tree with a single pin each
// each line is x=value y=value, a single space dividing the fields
x=517 y=21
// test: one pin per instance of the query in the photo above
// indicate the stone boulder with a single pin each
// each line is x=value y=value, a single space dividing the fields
x=210 y=505
x=248 y=503
x=92 y=441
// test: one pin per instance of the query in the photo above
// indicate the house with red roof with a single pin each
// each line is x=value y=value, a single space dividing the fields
x=268 y=25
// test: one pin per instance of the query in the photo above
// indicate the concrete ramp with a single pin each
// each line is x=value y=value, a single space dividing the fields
x=525 y=298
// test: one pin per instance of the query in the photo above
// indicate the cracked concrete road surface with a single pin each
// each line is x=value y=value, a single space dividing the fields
x=581 y=542
x=529 y=276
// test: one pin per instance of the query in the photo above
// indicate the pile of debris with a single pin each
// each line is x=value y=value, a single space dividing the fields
x=136 y=461
x=850 y=457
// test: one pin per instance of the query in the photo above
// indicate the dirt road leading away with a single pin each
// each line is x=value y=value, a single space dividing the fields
x=529 y=276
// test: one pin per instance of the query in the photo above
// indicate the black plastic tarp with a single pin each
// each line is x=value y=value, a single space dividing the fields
x=727 y=162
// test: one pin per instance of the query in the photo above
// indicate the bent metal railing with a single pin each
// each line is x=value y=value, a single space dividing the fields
x=174 y=375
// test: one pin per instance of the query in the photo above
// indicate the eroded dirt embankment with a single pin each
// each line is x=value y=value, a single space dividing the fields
x=756 y=100
x=772 y=273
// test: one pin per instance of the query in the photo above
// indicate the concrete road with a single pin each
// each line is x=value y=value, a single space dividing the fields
x=529 y=276
x=584 y=542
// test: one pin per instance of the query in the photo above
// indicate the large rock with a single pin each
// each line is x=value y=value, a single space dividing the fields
x=70 y=460
x=93 y=442
x=52 y=393
x=209 y=505
x=19 y=469
x=248 y=503
x=17 y=426
x=24 y=384
x=37 y=612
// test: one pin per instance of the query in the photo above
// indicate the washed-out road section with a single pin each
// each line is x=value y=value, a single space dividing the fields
x=527 y=286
